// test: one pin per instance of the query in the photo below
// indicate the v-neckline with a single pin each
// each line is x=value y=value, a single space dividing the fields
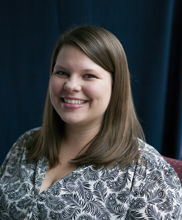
x=42 y=164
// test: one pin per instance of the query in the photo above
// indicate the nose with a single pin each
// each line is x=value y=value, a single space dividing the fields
x=72 y=85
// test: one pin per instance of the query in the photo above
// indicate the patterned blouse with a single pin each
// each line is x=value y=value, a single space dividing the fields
x=150 y=190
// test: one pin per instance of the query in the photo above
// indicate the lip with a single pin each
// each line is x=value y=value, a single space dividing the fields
x=72 y=106
x=73 y=98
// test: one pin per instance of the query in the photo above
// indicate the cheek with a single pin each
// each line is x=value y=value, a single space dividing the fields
x=55 y=86
x=100 y=93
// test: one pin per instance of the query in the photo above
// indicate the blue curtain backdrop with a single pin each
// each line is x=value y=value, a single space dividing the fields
x=151 y=34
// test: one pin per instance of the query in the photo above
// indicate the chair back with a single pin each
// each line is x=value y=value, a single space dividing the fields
x=176 y=164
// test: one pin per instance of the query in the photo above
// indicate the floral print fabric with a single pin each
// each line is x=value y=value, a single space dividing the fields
x=150 y=190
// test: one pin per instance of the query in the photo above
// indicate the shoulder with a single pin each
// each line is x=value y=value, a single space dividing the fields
x=148 y=150
x=26 y=137
x=23 y=139
x=151 y=156
x=155 y=165
x=21 y=143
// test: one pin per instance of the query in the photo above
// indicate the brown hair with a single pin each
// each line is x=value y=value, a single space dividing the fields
x=117 y=140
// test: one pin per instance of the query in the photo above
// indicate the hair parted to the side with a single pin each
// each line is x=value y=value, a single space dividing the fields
x=117 y=140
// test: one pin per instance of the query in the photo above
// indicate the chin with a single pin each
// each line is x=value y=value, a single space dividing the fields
x=72 y=121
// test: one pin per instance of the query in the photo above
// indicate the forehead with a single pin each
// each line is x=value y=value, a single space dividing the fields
x=69 y=51
x=71 y=56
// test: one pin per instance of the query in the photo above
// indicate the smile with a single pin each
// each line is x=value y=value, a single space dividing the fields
x=74 y=101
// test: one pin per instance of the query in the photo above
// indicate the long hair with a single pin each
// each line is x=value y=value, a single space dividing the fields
x=117 y=140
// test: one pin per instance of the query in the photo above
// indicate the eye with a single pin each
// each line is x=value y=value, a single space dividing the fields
x=90 y=76
x=61 y=73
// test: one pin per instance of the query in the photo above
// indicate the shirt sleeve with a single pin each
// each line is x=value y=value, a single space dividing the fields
x=156 y=190
x=10 y=171
x=16 y=151
x=10 y=161
x=7 y=159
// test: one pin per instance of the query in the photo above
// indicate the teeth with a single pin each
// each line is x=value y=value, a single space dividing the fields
x=72 y=101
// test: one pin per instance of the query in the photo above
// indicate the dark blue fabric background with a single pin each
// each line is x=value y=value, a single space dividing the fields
x=151 y=34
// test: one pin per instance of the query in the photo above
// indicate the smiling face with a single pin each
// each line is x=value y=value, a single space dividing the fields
x=80 y=90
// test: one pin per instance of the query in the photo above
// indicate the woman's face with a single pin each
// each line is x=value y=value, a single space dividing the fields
x=80 y=90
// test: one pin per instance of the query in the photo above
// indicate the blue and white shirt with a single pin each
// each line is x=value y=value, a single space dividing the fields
x=150 y=190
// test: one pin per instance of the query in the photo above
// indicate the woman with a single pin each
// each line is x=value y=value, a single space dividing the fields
x=88 y=160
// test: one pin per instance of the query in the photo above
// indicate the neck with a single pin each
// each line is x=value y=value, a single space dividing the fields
x=80 y=135
x=76 y=138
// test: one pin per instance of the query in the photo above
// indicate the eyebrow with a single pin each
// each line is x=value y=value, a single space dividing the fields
x=59 y=67
x=83 y=70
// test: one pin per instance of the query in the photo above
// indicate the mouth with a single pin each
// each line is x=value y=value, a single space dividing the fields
x=74 y=101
